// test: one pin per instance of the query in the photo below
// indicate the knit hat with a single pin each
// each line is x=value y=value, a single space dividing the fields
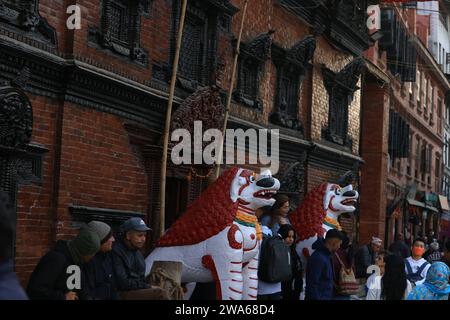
x=85 y=244
x=102 y=229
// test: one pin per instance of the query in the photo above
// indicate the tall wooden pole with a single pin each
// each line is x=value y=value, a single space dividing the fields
x=162 y=194
x=230 y=90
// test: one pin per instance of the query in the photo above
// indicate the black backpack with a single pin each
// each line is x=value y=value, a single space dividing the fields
x=274 y=261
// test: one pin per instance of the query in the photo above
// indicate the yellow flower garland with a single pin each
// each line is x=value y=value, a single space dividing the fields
x=333 y=222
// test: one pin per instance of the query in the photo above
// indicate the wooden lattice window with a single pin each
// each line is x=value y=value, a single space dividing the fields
x=253 y=55
x=120 y=28
x=248 y=82
x=120 y=22
x=198 y=58
x=192 y=56
x=338 y=118
x=289 y=88
x=341 y=87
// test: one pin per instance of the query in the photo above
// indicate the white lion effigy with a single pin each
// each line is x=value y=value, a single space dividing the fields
x=319 y=212
x=217 y=239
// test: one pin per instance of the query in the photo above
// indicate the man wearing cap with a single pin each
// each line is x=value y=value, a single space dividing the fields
x=319 y=271
x=129 y=263
x=99 y=278
x=49 y=279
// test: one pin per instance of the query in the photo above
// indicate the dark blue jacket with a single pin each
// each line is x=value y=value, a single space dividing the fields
x=10 y=288
x=129 y=267
x=319 y=273
x=99 y=278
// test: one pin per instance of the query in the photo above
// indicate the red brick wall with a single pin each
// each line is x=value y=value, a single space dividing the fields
x=154 y=36
x=34 y=232
x=317 y=176
x=98 y=169
x=374 y=170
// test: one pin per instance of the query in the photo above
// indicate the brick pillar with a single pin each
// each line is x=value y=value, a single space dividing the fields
x=375 y=154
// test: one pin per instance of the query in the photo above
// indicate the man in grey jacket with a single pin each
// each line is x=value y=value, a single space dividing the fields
x=366 y=256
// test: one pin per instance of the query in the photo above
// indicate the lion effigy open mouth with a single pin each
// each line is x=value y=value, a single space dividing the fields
x=265 y=194
x=349 y=202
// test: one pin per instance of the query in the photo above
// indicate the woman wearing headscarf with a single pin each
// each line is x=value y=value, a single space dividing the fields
x=436 y=286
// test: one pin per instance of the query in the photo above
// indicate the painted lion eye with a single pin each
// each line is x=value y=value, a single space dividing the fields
x=252 y=179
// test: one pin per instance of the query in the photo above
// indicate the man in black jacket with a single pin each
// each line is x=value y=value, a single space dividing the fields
x=129 y=263
x=49 y=279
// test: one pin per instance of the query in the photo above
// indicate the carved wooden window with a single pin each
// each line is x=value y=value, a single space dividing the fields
x=291 y=66
x=248 y=81
x=24 y=14
x=289 y=87
x=120 y=22
x=120 y=28
x=20 y=161
x=252 y=58
x=341 y=87
x=338 y=118
x=287 y=99
x=192 y=57
x=199 y=44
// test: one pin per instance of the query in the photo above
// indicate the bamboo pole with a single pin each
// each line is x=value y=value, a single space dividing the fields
x=162 y=194
x=230 y=91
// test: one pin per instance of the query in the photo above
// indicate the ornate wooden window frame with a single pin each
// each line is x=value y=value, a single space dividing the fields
x=341 y=88
x=24 y=15
x=252 y=58
x=106 y=38
x=292 y=64
x=20 y=160
x=210 y=13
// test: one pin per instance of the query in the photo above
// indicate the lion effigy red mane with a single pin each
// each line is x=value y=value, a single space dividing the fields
x=206 y=216
x=308 y=218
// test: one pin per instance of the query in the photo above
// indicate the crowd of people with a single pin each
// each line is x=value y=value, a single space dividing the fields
x=108 y=269
x=113 y=269
x=338 y=271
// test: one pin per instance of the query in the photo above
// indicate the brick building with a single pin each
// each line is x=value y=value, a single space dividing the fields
x=92 y=103
x=409 y=134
